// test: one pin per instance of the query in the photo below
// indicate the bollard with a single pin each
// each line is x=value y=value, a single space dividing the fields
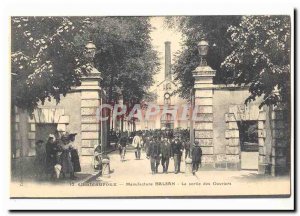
x=105 y=168
x=188 y=166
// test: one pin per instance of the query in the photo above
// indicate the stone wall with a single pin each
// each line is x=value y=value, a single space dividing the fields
x=221 y=108
x=66 y=114
x=229 y=108
x=75 y=113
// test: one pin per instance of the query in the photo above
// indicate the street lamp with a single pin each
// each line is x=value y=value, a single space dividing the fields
x=203 y=49
x=90 y=50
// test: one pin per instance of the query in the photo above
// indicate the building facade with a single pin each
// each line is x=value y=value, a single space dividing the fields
x=75 y=113
x=236 y=136
x=168 y=100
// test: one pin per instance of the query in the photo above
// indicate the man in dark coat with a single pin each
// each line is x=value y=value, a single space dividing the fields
x=187 y=145
x=154 y=154
x=122 y=146
x=196 y=156
x=147 y=143
x=166 y=153
x=177 y=149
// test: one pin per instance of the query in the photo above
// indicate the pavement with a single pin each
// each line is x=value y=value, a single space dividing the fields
x=133 y=178
x=29 y=177
x=138 y=170
x=135 y=174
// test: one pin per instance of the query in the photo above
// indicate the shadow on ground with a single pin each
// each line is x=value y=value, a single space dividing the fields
x=259 y=177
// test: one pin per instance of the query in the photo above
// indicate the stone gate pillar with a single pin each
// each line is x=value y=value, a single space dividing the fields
x=90 y=103
x=280 y=142
x=203 y=124
x=90 y=125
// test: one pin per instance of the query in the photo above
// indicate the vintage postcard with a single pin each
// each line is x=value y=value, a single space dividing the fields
x=151 y=106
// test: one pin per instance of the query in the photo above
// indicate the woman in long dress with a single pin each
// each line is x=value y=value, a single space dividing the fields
x=52 y=152
x=66 y=157
x=74 y=156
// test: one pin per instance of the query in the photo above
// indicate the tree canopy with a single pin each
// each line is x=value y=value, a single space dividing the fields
x=193 y=29
x=47 y=56
x=261 y=57
x=245 y=50
x=126 y=57
x=45 y=62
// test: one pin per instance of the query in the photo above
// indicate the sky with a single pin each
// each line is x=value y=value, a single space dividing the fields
x=159 y=35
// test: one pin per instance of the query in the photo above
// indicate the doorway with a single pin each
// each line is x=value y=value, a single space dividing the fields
x=167 y=121
x=248 y=133
x=43 y=131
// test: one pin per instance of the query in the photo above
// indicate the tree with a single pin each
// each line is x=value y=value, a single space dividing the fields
x=248 y=50
x=260 y=57
x=45 y=62
x=194 y=28
x=48 y=59
x=126 y=57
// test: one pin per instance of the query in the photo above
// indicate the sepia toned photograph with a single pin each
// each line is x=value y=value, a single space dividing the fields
x=151 y=106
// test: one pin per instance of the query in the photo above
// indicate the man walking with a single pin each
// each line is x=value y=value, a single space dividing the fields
x=147 y=143
x=187 y=148
x=154 y=154
x=196 y=156
x=122 y=147
x=165 y=154
x=177 y=149
x=137 y=144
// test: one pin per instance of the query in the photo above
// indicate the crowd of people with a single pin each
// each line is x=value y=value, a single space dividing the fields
x=114 y=136
x=160 y=147
x=57 y=158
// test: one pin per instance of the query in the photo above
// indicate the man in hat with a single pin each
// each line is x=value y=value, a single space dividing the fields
x=187 y=145
x=177 y=149
x=147 y=143
x=137 y=144
x=154 y=154
x=122 y=146
x=196 y=156
x=165 y=154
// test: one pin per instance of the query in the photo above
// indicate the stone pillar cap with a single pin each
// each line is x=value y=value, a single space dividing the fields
x=204 y=71
x=94 y=73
